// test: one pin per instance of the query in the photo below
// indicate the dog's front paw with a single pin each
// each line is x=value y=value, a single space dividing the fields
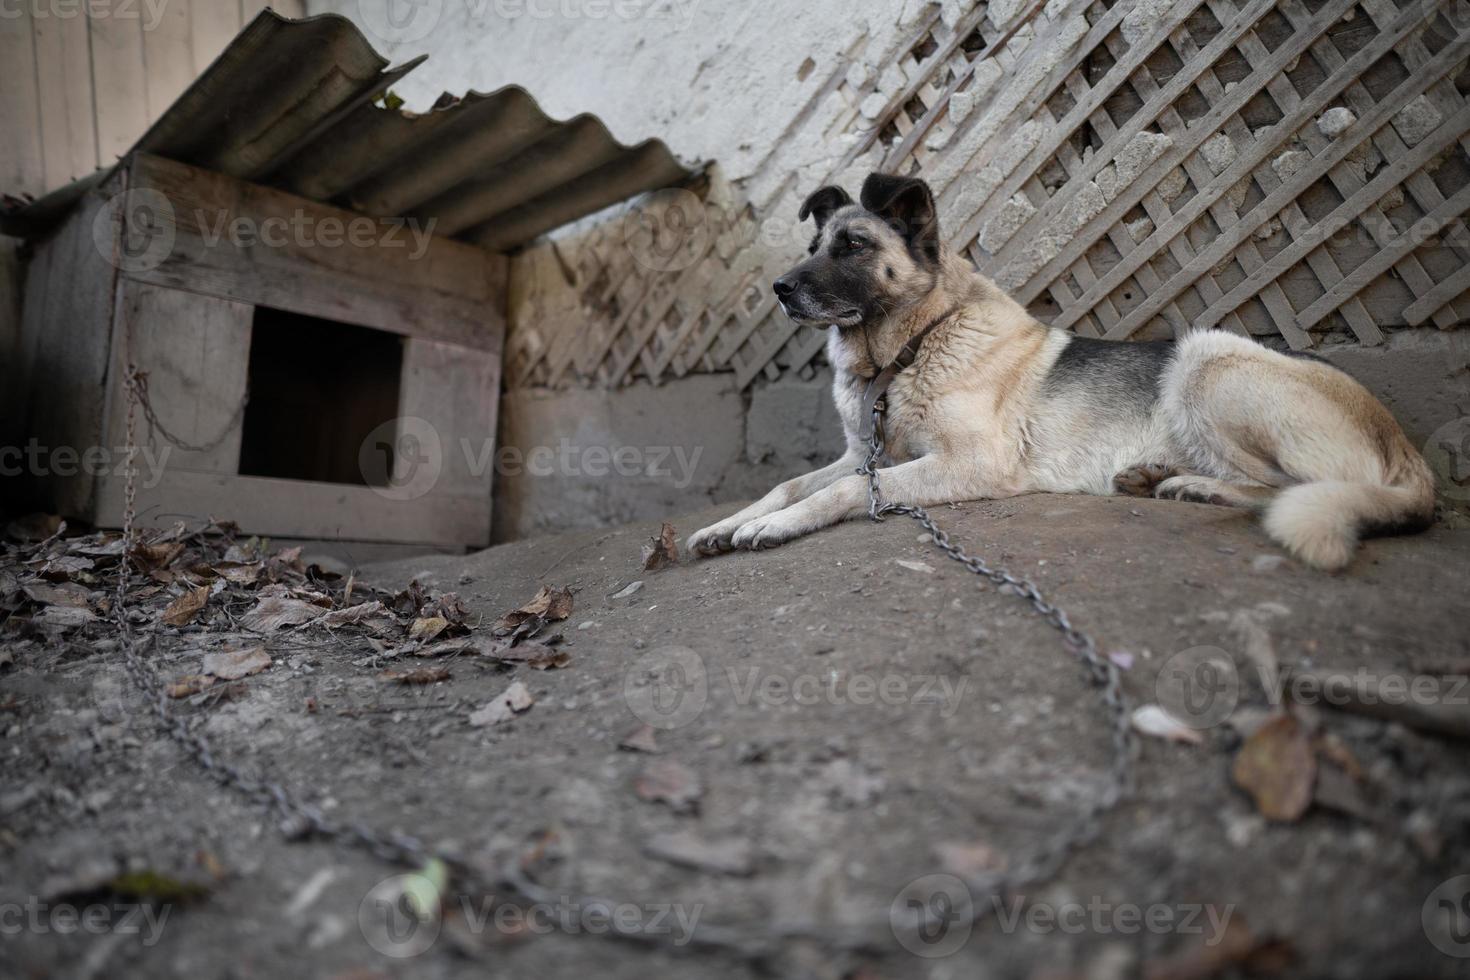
x=712 y=540
x=764 y=532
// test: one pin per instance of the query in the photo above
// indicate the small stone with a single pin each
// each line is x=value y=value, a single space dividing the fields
x=1143 y=18
x=1335 y=121
x=1417 y=120
x=1002 y=228
x=1140 y=230
x=1288 y=164
x=961 y=104
x=872 y=106
x=1219 y=153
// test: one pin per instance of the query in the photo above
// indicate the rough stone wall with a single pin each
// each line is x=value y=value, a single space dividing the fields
x=1290 y=169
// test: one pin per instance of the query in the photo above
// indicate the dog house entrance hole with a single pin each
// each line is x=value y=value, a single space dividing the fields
x=318 y=389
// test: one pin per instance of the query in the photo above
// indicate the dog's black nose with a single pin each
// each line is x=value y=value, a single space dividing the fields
x=784 y=287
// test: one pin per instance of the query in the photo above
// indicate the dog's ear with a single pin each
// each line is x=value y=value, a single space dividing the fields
x=822 y=202
x=907 y=204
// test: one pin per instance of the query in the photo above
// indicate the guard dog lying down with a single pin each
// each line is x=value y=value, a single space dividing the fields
x=996 y=403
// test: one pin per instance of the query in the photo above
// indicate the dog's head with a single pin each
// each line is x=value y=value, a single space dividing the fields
x=868 y=259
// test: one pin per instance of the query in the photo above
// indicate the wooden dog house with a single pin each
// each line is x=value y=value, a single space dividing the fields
x=313 y=287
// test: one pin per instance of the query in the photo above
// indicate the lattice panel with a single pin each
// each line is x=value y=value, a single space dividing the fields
x=1274 y=167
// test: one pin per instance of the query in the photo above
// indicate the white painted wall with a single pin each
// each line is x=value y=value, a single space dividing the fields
x=715 y=79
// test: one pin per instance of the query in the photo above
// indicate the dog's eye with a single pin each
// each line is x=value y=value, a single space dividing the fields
x=856 y=244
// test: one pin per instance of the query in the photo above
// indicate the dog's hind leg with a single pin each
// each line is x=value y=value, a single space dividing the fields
x=1339 y=464
x=1209 y=490
x=1140 y=481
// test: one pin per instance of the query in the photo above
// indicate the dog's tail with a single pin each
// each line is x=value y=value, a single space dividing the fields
x=1321 y=522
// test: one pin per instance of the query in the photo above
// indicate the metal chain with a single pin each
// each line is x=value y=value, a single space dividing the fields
x=137 y=382
x=300 y=819
x=1047 y=857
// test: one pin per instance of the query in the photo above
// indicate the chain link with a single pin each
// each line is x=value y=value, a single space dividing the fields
x=1047 y=857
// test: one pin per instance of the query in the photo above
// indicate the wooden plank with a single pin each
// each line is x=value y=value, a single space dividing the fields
x=212 y=25
x=296 y=508
x=68 y=124
x=1200 y=130
x=64 y=351
x=120 y=90
x=22 y=168
x=1116 y=76
x=168 y=54
x=1252 y=156
x=1314 y=236
x=195 y=350
x=321 y=261
x=1425 y=306
x=457 y=391
x=1385 y=258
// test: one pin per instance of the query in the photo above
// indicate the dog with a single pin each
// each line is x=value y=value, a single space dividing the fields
x=996 y=403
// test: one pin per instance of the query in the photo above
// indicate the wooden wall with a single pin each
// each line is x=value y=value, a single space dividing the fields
x=76 y=92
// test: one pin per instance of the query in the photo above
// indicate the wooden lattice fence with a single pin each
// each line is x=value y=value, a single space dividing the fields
x=1134 y=169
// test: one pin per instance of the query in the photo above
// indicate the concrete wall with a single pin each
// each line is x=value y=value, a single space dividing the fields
x=588 y=457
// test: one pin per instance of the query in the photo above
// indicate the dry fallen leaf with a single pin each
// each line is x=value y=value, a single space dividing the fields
x=671 y=782
x=535 y=654
x=1151 y=719
x=64 y=594
x=240 y=573
x=661 y=550
x=64 y=567
x=182 y=610
x=275 y=611
x=548 y=605
x=416 y=675
x=1277 y=767
x=506 y=706
x=427 y=628
x=63 y=617
x=231 y=665
x=189 y=684
x=147 y=556
x=640 y=739
x=353 y=614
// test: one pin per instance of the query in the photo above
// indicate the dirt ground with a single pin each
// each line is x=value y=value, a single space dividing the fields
x=837 y=720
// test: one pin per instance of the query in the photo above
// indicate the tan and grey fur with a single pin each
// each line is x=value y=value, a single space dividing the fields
x=998 y=404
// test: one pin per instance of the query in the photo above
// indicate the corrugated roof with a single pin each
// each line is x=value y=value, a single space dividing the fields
x=291 y=104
